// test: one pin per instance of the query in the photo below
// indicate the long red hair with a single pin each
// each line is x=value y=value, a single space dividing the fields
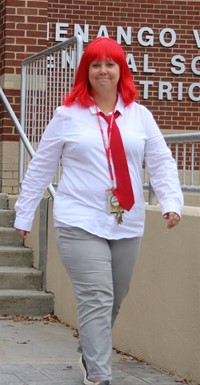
x=99 y=49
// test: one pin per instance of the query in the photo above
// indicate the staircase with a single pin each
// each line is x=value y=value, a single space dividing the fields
x=20 y=284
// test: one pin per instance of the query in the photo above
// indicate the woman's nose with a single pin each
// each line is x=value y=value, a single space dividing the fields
x=103 y=68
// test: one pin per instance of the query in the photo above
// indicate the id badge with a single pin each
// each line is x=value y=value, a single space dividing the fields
x=113 y=204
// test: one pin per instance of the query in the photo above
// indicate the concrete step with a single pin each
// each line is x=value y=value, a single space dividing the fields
x=16 y=256
x=20 y=278
x=8 y=236
x=26 y=303
x=20 y=284
x=7 y=217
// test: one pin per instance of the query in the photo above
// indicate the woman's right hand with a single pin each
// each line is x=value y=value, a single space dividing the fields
x=22 y=233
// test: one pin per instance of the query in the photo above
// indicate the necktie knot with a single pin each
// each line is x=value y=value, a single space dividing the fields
x=108 y=118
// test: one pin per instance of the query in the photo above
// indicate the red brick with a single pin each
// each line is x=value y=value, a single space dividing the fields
x=11 y=10
x=37 y=19
x=15 y=3
x=10 y=70
x=37 y=4
x=26 y=40
x=15 y=19
x=21 y=56
x=26 y=26
x=9 y=138
x=15 y=47
x=27 y=11
x=10 y=26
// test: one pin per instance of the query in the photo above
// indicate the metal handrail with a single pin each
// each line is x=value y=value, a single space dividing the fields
x=183 y=138
x=21 y=133
x=48 y=51
x=176 y=139
x=190 y=138
x=37 y=74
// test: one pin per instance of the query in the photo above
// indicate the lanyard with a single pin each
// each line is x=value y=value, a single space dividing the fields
x=107 y=147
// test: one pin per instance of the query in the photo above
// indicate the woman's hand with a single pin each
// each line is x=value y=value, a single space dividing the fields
x=172 y=219
x=22 y=233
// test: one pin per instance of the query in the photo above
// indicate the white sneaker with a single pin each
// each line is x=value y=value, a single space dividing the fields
x=83 y=367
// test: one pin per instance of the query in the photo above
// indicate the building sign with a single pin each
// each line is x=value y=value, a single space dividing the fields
x=146 y=38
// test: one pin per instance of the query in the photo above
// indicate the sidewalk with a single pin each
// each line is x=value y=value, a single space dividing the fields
x=39 y=352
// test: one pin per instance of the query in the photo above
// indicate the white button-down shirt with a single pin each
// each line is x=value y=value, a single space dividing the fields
x=74 y=135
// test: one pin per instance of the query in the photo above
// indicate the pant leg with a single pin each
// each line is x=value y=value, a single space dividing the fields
x=124 y=255
x=88 y=260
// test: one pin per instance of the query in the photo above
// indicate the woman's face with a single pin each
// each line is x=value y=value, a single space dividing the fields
x=104 y=75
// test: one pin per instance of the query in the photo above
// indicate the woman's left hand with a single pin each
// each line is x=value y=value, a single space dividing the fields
x=172 y=219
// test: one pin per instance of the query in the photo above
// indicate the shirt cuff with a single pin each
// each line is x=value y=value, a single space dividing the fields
x=23 y=224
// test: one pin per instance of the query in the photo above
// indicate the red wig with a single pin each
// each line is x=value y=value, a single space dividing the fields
x=100 y=49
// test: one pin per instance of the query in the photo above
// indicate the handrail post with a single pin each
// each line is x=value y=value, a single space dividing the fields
x=152 y=196
x=79 y=49
x=22 y=122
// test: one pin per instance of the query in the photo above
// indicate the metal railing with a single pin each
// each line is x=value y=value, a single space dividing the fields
x=22 y=135
x=45 y=80
x=185 y=149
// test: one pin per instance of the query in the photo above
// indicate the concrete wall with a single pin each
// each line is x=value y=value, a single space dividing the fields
x=160 y=318
x=159 y=321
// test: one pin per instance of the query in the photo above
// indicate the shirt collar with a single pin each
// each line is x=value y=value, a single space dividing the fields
x=119 y=106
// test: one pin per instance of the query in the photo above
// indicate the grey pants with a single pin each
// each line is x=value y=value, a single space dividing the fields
x=101 y=271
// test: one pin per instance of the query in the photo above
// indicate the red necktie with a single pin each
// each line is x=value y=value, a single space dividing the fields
x=124 y=191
